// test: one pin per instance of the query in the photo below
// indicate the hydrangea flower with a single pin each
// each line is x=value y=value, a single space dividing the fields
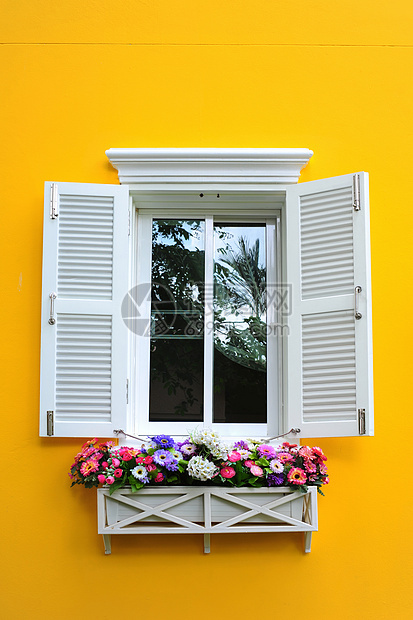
x=201 y=469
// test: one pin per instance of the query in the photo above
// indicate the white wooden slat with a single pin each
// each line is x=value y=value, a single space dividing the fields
x=84 y=354
x=328 y=351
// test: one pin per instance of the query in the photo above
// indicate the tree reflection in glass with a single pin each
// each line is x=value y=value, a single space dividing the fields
x=177 y=321
x=240 y=340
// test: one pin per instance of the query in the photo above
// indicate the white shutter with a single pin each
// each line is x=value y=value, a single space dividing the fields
x=329 y=352
x=84 y=353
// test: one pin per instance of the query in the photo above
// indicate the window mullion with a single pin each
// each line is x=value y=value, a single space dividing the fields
x=209 y=321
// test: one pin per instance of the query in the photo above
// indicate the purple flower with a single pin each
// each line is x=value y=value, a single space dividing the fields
x=241 y=445
x=171 y=465
x=166 y=441
x=275 y=480
x=265 y=451
x=162 y=457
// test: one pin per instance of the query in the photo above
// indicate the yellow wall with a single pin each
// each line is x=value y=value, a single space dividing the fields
x=81 y=76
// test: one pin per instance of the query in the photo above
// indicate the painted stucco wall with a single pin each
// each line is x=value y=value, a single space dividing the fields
x=81 y=76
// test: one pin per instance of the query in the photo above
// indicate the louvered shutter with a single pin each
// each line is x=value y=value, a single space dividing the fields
x=84 y=353
x=329 y=352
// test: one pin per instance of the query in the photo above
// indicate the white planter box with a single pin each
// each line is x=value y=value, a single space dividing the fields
x=206 y=510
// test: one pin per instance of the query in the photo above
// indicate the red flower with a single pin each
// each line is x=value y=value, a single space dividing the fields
x=228 y=472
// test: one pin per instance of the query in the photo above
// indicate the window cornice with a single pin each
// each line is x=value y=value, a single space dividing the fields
x=180 y=169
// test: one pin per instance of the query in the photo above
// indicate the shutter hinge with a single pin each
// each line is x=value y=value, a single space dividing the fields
x=53 y=201
x=127 y=391
x=362 y=421
x=50 y=423
x=356 y=193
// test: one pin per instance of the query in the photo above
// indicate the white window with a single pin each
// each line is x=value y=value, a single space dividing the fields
x=151 y=324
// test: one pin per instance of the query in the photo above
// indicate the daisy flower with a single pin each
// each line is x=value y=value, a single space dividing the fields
x=140 y=473
x=296 y=475
x=166 y=441
x=266 y=451
x=276 y=466
x=161 y=457
x=188 y=449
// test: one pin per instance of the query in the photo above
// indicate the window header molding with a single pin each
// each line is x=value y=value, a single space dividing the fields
x=180 y=169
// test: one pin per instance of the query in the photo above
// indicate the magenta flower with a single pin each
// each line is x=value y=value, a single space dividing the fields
x=285 y=457
x=148 y=460
x=115 y=462
x=118 y=473
x=249 y=463
x=159 y=477
x=151 y=467
x=306 y=452
x=265 y=451
x=101 y=479
x=110 y=480
x=227 y=472
x=256 y=471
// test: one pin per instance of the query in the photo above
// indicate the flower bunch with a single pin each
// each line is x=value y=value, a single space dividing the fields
x=201 y=458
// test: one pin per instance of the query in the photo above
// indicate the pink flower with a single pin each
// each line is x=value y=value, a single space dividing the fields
x=118 y=473
x=148 y=460
x=310 y=466
x=234 y=457
x=151 y=467
x=284 y=457
x=115 y=462
x=159 y=477
x=256 y=471
x=88 y=467
x=110 y=480
x=296 y=475
x=139 y=460
x=306 y=452
x=323 y=469
x=249 y=463
x=318 y=452
x=105 y=464
x=227 y=472
x=101 y=479
x=325 y=480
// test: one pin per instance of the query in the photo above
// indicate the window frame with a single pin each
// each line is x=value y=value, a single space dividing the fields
x=267 y=209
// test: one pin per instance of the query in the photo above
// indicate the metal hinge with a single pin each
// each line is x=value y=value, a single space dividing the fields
x=362 y=421
x=53 y=201
x=50 y=423
x=356 y=193
x=127 y=391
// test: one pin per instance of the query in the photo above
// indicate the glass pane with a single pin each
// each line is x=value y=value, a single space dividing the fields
x=240 y=335
x=177 y=321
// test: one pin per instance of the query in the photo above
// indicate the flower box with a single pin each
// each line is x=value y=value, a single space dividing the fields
x=206 y=510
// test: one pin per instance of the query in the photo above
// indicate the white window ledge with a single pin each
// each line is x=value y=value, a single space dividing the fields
x=234 y=169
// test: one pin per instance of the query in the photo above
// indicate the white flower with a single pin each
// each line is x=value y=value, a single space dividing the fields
x=211 y=440
x=201 y=468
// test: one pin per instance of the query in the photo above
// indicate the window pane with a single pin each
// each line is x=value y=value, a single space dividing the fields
x=177 y=321
x=240 y=341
